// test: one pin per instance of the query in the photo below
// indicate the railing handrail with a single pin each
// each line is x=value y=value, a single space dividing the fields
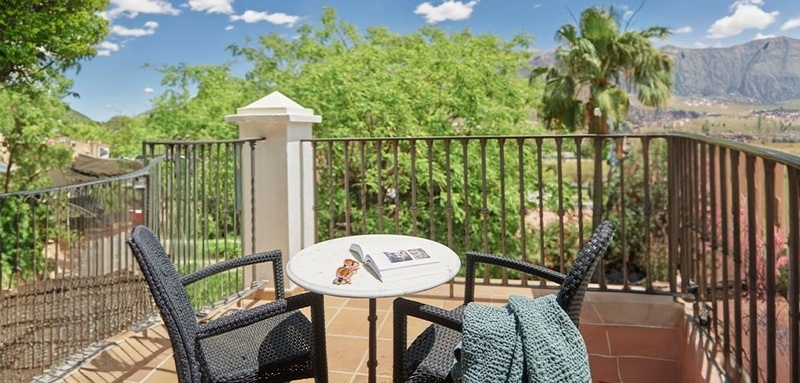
x=778 y=156
x=770 y=154
x=143 y=171
x=209 y=142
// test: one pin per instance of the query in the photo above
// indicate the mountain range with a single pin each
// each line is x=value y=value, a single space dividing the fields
x=765 y=71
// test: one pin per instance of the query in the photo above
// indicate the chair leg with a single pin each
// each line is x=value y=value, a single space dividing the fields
x=399 y=341
x=321 y=352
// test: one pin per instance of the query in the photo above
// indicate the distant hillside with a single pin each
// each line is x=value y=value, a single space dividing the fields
x=762 y=71
x=74 y=115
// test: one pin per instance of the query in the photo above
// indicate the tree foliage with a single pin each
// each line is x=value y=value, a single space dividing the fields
x=596 y=66
x=377 y=83
x=27 y=122
x=39 y=40
x=195 y=103
x=381 y=83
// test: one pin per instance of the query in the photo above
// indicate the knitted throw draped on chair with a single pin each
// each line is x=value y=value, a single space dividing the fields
x=525 y=340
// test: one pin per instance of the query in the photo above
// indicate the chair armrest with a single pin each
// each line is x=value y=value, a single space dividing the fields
x=473 y=258
x=247 y=317
x=405 y=307
x=273 y=256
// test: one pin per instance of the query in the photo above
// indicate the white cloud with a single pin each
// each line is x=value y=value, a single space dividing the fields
x=212 y=6
x=273 y=18
x=149 y=90
x=133 y=8
x=791 y=24
x=229 y=27
x=537 y=5
x=760 y=36
x=449 y=10
x=627 y=15
x=106 y=47
x=149 y=29
x=746 y=15
x=745 y=2
x=686 y=29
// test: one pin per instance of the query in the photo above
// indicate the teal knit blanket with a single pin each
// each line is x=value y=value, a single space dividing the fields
x=525 y=340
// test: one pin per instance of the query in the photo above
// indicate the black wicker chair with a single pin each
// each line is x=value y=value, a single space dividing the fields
x=274 y=342
x=430 y=357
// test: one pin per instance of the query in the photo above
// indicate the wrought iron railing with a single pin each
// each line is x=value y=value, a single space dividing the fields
x=532 y=197
x=67 y=277
x=683 y=205
x=195 y=208
x=737 y=233
x=694 y=215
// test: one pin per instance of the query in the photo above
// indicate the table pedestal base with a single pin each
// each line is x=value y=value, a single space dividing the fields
x=372 y=362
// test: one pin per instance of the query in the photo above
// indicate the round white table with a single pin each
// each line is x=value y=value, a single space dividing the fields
x=314 y=268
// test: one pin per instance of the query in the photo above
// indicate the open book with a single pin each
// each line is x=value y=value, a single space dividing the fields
x=397 y=264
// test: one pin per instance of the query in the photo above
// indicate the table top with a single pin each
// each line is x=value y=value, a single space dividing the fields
x=314 y=268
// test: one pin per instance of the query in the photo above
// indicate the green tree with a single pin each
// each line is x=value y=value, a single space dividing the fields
x=598 y=63
x=377 y=83
x=125 y=135
x=27 y=122
x=381 y=83
x=195 y=103
x=39 y=40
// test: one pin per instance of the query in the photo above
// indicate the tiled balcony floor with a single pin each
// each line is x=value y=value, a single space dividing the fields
x=147 y=356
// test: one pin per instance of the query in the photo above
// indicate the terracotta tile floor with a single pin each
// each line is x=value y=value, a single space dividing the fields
x=147 y=356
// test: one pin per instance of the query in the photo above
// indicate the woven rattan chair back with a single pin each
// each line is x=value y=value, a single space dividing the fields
x=171 y=298
x=573 y=290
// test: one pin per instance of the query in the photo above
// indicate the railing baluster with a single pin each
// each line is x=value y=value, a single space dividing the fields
x=672 y=210
x=540 y=208
x=329 y=167
x=560 y=183
x=737 y=258
x=501 y=143
x=431 y=216
x=449 y=203
x=714 y=184
x=363 y=178
x=752 y=253
x=467 y=212
x=522 y=211
x=620 y=142
x=648 y=262
x=348 y=211
x=379 y=182
x=315 y=183
x=412 y=147
x=597 y=202
x=579 y=179
x=771 y=281
x=396 y=186
x=704 y=192
x=484 y=206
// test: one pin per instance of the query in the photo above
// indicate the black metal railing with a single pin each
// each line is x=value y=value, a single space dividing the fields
x=67 y=277
x=195 y=207
x=534 y=197
x=736 y=208
x=692 y=214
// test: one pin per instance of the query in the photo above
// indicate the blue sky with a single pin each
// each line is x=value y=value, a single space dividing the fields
x=157 y=32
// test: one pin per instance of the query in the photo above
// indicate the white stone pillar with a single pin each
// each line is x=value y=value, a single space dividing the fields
x=283 y=179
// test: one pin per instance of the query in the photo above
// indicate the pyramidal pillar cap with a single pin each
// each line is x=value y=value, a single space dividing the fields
x=274 y=107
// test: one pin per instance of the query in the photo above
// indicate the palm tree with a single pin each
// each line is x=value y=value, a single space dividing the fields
x=598 y=63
